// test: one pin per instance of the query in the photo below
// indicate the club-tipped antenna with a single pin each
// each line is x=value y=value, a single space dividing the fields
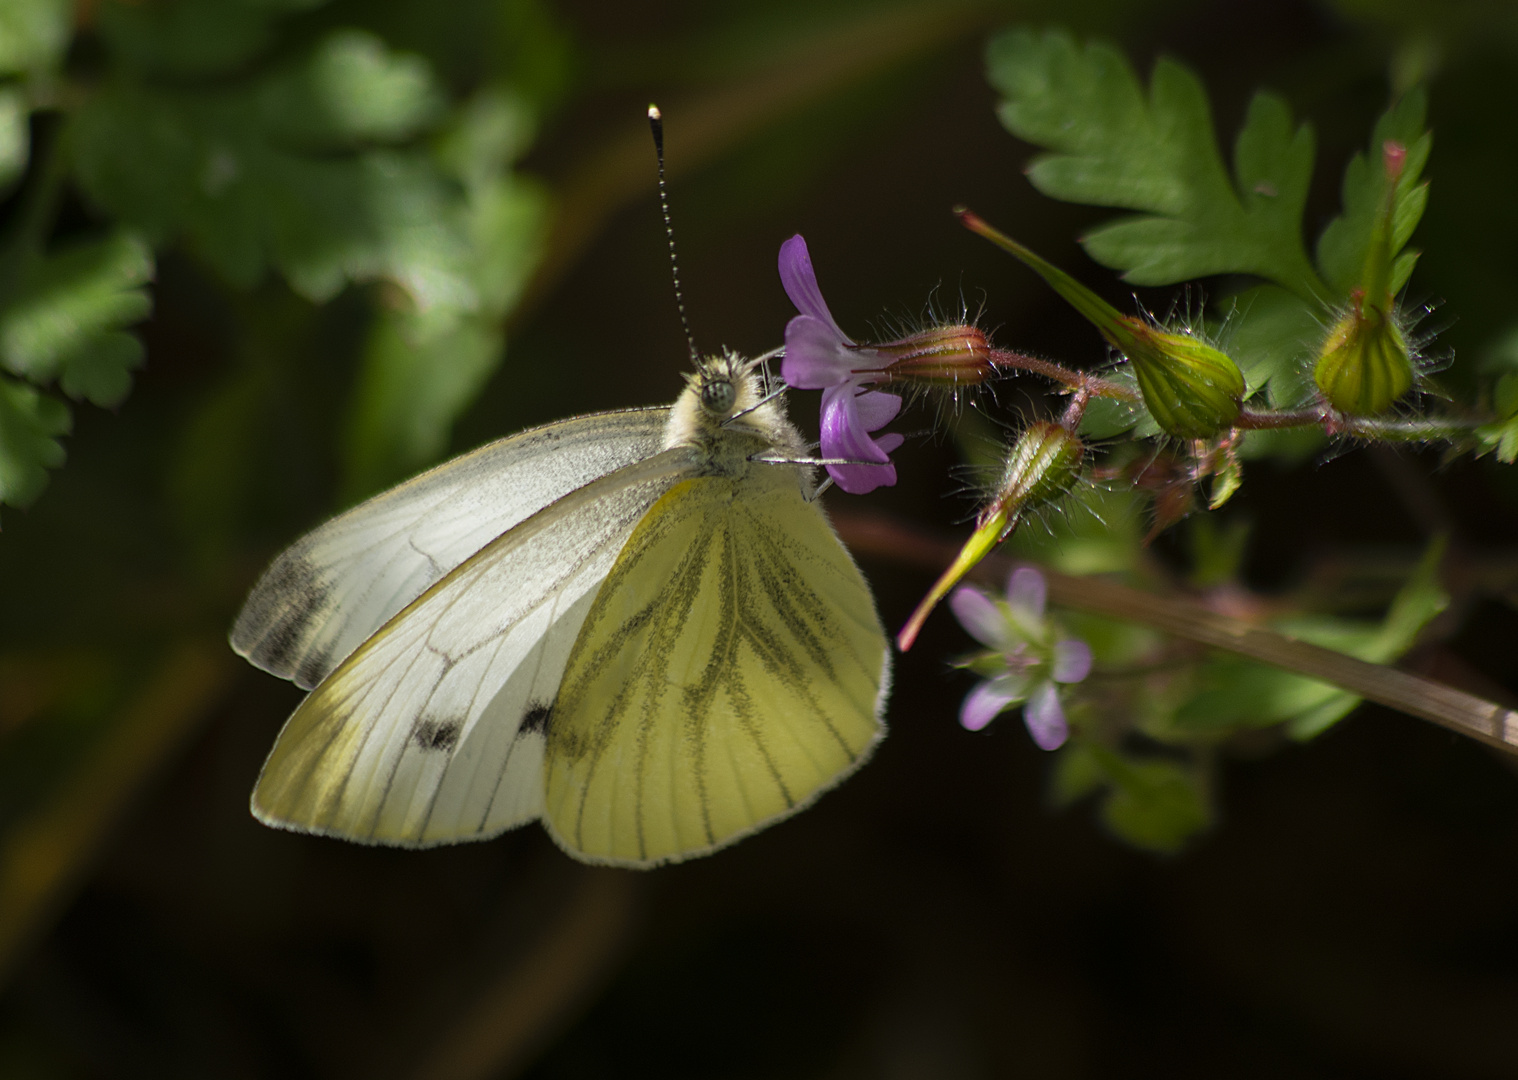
x=656 y=125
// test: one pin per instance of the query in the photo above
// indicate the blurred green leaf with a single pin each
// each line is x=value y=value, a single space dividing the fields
x=1273 y=335
x=65 y=320
x=1089 y=531
x=422 y=368
x=15 y=139
x=30 y=424
x=352 y=90
x=180 y=38
x=1112 y=146
x=1502 y=434
x=1152 y=803
x=1240 y=693
x=1344 y=243
x=419 y=373
x=215 y=169
x=33 y=33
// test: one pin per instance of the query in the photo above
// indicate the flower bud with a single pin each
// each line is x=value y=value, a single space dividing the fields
x=1364 y=366
x=1193 y=390
x=940 y=356
x=1043 y=465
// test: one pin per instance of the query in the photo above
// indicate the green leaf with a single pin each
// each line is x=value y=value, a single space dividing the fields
x=421 y=369
x=65 y=319
x=1273 y=335
x=30 y=424
x=33 y=34
x=205 y=168
x=1151 y=803
x=351 y=90
x=1240 y=693
x=1343 y=246
x=418 y=375
x=1112 y=146
x=1502 y=434
x=15 y=138
x=179 y=38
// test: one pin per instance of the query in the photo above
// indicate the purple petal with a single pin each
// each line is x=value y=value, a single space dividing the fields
x=844 y=435
x=1045 y=718
x=874 y=409
x=1072 y=661
x=800 y=282
x=979 y=615
x=1026 y=593
x=815 y=355
x=983 y=704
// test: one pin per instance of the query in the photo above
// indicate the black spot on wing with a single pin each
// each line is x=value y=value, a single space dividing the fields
x=436 y=734
x=536 y=718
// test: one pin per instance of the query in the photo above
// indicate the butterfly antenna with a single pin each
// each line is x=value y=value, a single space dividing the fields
x=656 y=125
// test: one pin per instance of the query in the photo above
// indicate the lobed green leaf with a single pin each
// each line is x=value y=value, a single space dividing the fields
x=1113 y=146
x=65 y=320
x=30 y=423
x=1343 y=246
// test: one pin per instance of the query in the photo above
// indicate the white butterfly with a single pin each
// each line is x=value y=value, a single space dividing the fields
x=637 y=626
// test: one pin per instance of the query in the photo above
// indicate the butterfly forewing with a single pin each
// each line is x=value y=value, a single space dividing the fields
x=339 y=584
x=432 y=731
x=731 y=669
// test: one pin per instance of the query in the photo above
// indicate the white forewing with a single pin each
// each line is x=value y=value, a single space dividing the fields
x=432 y=731
x=336 y=586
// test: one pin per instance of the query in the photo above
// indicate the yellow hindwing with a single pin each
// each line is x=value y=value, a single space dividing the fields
x=731 y=669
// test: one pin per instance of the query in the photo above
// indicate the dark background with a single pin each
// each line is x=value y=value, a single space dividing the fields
x=1351 y=914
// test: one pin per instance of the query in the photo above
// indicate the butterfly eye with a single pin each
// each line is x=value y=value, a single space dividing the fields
x=717 y=396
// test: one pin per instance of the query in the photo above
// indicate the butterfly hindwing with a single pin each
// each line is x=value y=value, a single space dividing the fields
x=732 y=668
x=340 y=583
x=432 y=731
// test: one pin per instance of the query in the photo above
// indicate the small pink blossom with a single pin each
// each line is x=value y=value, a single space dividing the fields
x=1024 y=663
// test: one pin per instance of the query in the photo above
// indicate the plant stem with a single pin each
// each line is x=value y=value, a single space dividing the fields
x=1075 y=380
x=1477 y=718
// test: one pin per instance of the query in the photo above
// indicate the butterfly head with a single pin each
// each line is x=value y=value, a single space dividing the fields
x=724 y=400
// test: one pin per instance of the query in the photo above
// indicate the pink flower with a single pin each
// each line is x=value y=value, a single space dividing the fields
x=1024 y=664
x=820 y=356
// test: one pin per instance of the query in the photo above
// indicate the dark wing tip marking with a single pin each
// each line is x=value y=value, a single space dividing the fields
x=436 y=734
x=271 y=627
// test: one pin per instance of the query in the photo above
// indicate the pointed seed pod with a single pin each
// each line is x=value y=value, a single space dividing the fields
x=1044 y=463
x=1193 y=390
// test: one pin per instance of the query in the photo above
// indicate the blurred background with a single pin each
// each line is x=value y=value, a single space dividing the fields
x=1350 y=911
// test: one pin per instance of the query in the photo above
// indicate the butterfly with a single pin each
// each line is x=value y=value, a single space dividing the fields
x=638 y=627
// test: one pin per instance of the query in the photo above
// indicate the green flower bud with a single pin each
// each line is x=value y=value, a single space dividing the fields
x=1043 y=465
x=1365 y=365
x=1192 y=390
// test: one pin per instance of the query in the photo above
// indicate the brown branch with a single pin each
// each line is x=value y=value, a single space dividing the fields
x=1486 y=721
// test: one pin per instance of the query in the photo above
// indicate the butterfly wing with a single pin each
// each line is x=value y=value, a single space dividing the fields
x=432 y=731
x=731 y=670
x=336 y=586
